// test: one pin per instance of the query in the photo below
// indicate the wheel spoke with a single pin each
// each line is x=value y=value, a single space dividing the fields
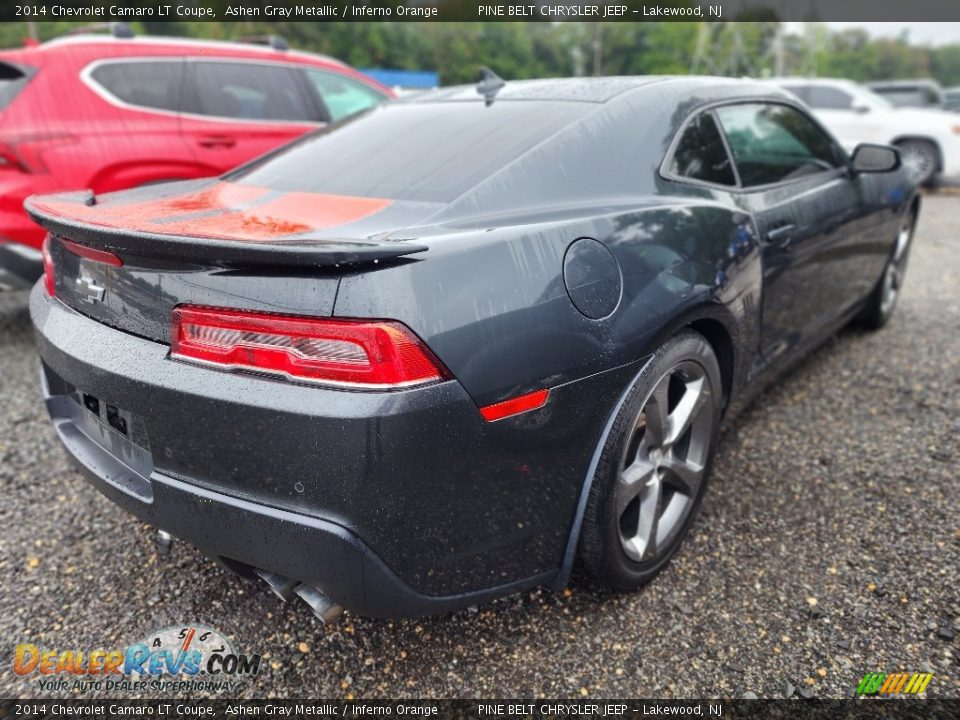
x=694 y=396
x=648 y=520
x=684 y=475
x=903 y=239
x=655 y=413
x=633 y=480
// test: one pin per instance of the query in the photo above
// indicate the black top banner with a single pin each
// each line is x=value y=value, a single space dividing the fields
x=491 y=10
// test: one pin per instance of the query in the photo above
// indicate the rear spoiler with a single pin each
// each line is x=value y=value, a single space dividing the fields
x=294 y=251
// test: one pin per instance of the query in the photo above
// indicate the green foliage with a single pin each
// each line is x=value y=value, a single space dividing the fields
x=854 y=55
x=542 y=49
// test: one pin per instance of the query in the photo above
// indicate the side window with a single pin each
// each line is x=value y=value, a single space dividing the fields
x=342 y=96
x=247 y=91
x=772 y=143
x=823 y=97
x=700 y=154
x=145 y=84
x=801 y=91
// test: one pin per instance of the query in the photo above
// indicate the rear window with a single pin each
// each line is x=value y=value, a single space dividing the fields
x=143 y=83
x=910 y=97
x=823 y=97
x=13 y=78
x=248 y=91
x=423 y=152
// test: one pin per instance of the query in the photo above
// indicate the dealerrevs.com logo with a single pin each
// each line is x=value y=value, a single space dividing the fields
x=894 y=683
x=174 y=659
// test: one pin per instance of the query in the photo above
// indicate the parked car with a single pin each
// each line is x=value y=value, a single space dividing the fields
x=910 y=93
x=435 y=354
x=951 y=99
x=108 y=112
x=928 y=139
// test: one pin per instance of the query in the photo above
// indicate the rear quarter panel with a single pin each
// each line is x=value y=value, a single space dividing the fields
x=494 y=307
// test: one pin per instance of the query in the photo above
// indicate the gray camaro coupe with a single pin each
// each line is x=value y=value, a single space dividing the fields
x=451 y=347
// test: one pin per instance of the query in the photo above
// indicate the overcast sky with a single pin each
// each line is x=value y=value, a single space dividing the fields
x=921 y=33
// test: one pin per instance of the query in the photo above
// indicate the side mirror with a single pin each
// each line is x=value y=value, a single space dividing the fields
x=868 y=158
x=861 y=109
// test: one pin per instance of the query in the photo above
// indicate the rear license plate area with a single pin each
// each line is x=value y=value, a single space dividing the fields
x=99 y=415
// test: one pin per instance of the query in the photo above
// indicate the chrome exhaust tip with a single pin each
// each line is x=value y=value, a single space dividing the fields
x=162 y=542
x=282 y=586
x=325 y=609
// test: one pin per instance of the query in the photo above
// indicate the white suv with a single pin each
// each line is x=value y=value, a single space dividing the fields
x=928 y=139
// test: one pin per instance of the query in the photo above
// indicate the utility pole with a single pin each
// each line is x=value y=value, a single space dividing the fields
x=811 y=42
x=576 y=56
x=778 y=52
x=700 y=53
x=597 y=49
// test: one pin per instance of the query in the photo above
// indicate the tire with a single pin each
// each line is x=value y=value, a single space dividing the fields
x=883 y=298
x=921 y=158
x=645 y=472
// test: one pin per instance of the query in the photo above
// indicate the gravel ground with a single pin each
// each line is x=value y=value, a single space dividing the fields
x=827 y=547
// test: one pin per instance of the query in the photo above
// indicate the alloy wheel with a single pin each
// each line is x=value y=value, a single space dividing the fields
x=896 y=268
x=664 y=461
x=919 y=159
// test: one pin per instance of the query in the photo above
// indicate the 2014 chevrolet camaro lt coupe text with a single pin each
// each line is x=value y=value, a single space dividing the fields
x=446 y=349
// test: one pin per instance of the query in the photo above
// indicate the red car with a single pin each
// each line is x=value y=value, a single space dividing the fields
x=108 y=112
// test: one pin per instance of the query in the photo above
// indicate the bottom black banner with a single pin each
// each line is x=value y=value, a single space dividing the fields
x=894 y=709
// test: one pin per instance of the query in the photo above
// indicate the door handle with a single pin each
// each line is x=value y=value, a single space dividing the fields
x=216 y=141
x=782 y=235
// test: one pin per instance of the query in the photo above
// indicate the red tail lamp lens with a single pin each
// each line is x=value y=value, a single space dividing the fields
x=352 y=353
x=515 y=406
x=101 y=256
x=49 y=282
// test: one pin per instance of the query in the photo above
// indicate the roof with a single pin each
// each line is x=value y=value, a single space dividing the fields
x=922 y=82
x=140 y=41
x=798 y=79
x=583 y=89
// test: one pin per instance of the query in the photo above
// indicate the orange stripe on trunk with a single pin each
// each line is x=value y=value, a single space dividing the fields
x=294 y=212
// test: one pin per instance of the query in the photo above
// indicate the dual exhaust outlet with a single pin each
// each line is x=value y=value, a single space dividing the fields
x=324 y=609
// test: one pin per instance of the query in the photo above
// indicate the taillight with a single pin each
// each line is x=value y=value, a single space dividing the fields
x=49 y=282
x=350 y=353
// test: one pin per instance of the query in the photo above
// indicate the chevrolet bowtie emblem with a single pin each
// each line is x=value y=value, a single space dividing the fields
x=88 y=290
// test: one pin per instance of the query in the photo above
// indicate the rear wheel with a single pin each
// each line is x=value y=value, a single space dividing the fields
x=921 y=159
x=879 y=308
x=654 y=466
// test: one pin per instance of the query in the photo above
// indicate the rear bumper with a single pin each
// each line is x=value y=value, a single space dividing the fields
x=391 y=504
x=320 y=553
x=20 y=266
x=950 y=159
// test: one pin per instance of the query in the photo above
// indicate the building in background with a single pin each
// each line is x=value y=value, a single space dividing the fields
x=405 y=81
